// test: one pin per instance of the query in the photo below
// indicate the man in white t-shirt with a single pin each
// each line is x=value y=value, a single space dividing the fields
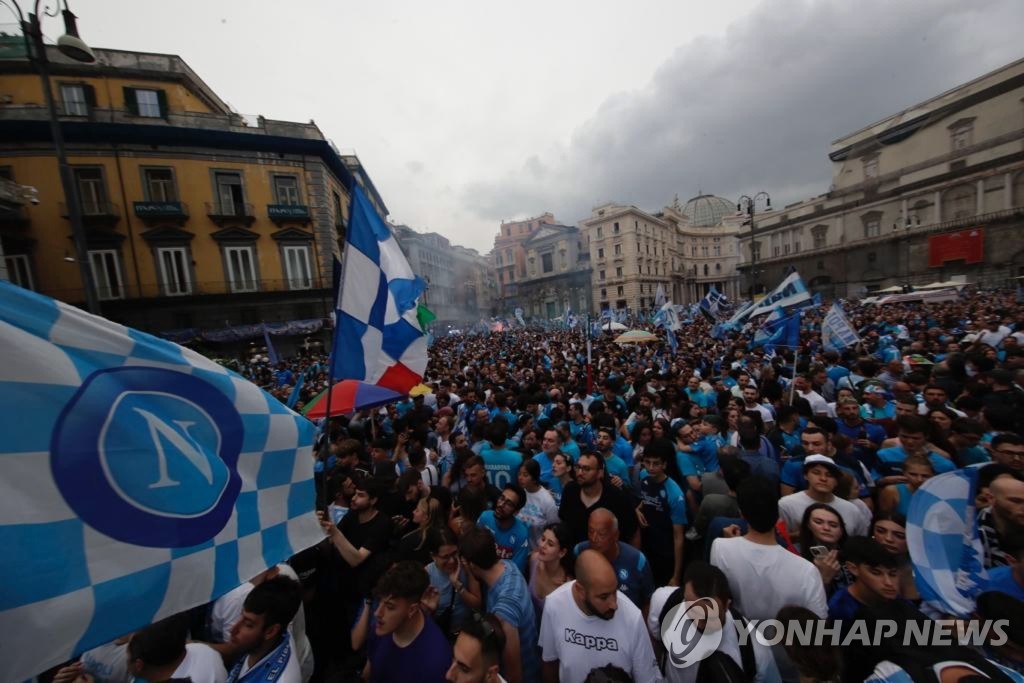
x=261 y=635
x=227 y=610
x=588 y=623
x=802 y=384
x=159 y=653
x=822 y=476
x=764 y=576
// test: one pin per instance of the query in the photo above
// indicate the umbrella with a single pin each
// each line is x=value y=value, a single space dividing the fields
x=350 y=395
x=635 y=337
x=420 y=390
x=613 y=326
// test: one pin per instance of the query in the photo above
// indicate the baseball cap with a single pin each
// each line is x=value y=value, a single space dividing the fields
x=812 y=460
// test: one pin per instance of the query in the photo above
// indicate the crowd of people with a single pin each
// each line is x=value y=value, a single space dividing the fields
x=515 y=525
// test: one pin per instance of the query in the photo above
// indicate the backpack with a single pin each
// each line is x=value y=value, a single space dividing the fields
x=718 y=667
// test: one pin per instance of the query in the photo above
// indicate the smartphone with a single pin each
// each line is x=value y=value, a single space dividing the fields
x=819 y=551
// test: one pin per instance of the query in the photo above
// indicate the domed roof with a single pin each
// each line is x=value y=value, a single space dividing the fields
x=706 y=210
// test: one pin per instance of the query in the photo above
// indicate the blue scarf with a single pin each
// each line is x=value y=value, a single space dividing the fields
x=268 y=669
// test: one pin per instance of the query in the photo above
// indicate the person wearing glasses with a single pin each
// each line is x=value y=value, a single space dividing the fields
x=1008 y=450
x=511 y=535
x=477 y=653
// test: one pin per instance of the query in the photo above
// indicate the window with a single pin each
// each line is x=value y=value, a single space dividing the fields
x=618 y=271
x=820 y=235
x=718 y=267
x=146 y=103
x=75 y=100
x=599 y=232
x=545 y=263
x=91 y=192
x=718 y=249
x=872 y=257
x=336 y=203
x=174 y=270
x=497 y=259
x=600 y=275
x=961 y=135
x=230 y=197
x=241 y=268
x=871 y=167
x=821 y=265
x=619 y=291
x=296 y=267
x=604 y=293
x=18 y=271
x=618 y=250
x=959 y=202
x=705 y=269
x=286 y=188
x=600 y=253
x=615 y=228
x=160 y=185
x=106 y=274
x=704 y=251
x=872 y=223
x=755 y=250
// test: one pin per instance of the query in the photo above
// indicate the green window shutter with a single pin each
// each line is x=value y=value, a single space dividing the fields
x=161 y=98
x=130 y=102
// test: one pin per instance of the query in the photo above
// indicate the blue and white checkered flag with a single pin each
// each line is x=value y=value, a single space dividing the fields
x=137 y=479
x=942 y=536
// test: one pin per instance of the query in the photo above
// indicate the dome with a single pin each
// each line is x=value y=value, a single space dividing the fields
x=706 y=210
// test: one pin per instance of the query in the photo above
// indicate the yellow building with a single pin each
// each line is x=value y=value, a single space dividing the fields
x=195 y=216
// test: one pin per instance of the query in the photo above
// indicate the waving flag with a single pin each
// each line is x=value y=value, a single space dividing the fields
x=791 y=292
x=137 y=479
x=942 y=537
x=836 y=331
x=519 y=317
x=780 y=329
x=379 y=338
x=271 y=353
x=712 y=303
x=659 y=296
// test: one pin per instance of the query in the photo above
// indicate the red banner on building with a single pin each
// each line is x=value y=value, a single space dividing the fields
x=966 y=245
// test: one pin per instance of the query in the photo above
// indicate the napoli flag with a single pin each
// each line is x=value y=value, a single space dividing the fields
x=378 y=338
x=137 y=479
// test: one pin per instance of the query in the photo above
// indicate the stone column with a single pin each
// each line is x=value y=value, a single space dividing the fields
x=938 y=206
x=980 y=203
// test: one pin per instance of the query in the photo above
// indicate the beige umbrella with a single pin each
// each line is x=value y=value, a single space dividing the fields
x=635 y=337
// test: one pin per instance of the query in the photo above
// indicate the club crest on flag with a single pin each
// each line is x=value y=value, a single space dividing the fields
x=149 y=456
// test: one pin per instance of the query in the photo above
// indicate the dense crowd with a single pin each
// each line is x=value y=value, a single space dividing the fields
x=513 y=524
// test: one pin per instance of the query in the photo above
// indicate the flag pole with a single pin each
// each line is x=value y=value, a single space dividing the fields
x=792 y=384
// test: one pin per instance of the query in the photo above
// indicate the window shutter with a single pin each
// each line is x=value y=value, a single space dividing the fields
x=90 y=97
x=161 y=98
x=130 y=101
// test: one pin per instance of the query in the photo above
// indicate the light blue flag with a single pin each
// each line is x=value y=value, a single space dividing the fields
x=293 y=398
x=137 y=479
x=271 y=353
x=790 y=293
x=836 y=331
x=778 y=330
x=659 y=296
x=942 y=537
x=673 y=343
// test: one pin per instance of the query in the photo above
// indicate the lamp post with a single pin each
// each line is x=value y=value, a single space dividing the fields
x=72 y=46
x=748 y=204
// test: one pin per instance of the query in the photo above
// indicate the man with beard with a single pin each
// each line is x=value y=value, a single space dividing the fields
x=588 y=623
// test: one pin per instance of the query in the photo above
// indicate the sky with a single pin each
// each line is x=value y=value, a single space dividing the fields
x=469 y=113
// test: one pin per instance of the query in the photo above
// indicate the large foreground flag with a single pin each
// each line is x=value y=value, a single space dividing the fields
x=791 y=292
x=712 y=303
x=137 y=479
x=378 y=338
x=836 y=331
x=942 y=537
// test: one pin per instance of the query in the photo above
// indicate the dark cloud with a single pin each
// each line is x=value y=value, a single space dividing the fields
x=757 y=108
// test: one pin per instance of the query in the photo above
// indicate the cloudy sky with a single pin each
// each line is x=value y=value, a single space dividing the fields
x=468 y=113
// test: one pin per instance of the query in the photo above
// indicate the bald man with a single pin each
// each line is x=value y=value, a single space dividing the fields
x=1004 y=517
x=631 y=566
x=588 y=623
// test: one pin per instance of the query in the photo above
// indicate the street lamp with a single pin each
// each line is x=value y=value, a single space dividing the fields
x=748 y=204
x=74 y=47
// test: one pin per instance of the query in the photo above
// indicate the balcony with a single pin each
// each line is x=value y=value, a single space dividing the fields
x=13 y=219
x=288 y=213
x=176 y=212
x=96 y=214
x=225 y=213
